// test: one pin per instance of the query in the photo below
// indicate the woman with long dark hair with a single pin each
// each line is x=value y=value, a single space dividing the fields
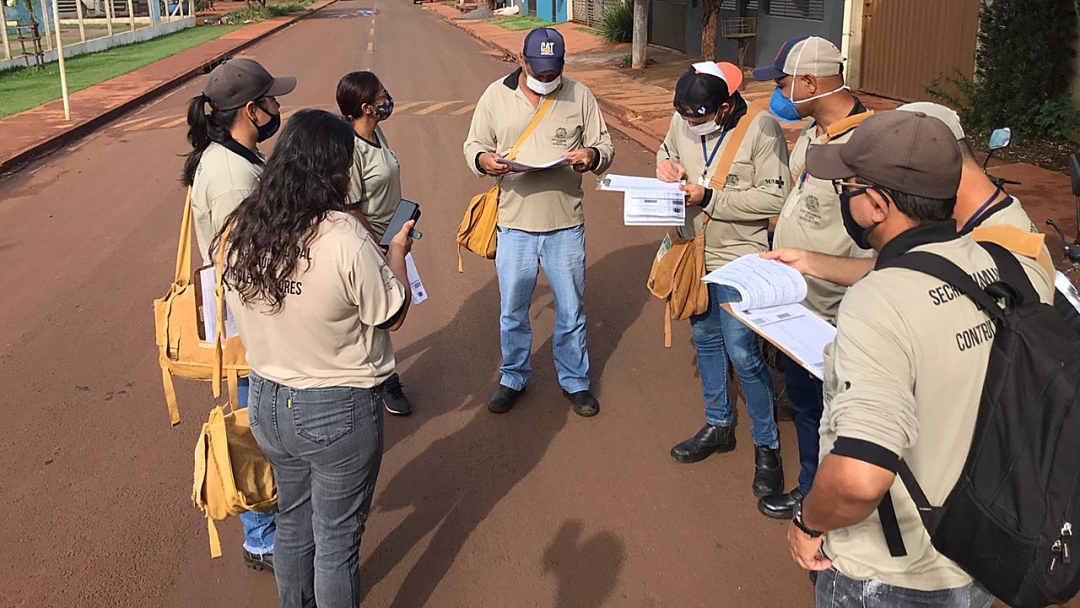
x=236 y=110
x=314 y=300
x=375 y=178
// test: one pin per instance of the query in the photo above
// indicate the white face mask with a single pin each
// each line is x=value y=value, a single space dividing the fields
x=819 y=96
x=704 y=129
x=542 y=88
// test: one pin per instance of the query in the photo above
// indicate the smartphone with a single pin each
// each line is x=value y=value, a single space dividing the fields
x=406 y=211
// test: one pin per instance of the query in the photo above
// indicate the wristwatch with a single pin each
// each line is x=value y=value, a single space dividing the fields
x=798 y=521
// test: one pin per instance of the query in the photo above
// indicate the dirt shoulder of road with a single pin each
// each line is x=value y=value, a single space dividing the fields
x=38 y=131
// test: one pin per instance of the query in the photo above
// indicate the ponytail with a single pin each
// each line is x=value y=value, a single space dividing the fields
x=204 y=129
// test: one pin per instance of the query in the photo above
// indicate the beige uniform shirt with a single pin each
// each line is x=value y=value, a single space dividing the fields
x=222 y=181
x=905 y=374
x=811 y=220
x=1011 y=213
x=541 y=201
x=753 y=192
x=326 y=333
x=375 y=181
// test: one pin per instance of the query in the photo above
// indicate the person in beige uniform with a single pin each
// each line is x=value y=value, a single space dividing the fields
x=222 y=169
x=808 y=72
x=375 y=178
x=541 y=220
x=735 y=203
x=314 y=299
x=905 y=345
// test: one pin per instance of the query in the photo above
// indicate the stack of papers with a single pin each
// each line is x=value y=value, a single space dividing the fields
x=517 y=167
x=648 y=201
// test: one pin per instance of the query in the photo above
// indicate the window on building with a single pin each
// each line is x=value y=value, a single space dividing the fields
x=813 y=10
x=730 y=5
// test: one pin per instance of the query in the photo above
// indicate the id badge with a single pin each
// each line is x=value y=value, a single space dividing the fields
x=703 y=181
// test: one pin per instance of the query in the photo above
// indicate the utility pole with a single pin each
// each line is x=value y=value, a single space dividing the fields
x=60 y=58
x=641 y=34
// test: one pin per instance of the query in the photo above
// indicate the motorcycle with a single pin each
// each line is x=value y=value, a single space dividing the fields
x=1067 y=300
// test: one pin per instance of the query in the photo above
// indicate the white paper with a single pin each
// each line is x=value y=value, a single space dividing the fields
x=795 y=330
x=523 y=168
x=208 y=286
x=761 y=283
x=625 y=183
x=419 y=294
x=653 y=208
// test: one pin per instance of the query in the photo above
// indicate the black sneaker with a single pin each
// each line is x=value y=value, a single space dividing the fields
x=585 y=404
x=394 y=397
x=262 y=562
x=503 y=399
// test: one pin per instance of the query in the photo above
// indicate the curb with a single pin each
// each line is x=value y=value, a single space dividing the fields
x=613 y=112
x=47 y=146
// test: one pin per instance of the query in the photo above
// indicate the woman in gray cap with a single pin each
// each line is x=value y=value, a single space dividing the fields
x=236 y=110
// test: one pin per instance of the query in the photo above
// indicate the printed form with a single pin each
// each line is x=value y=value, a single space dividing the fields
x=648 y=201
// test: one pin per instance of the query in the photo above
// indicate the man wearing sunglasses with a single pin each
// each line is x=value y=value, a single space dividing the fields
x=904 y=376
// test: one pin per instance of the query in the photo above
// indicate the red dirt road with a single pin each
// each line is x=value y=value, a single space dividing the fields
x=534 y=508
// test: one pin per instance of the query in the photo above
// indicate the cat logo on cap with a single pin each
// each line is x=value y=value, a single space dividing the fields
x=547 y=49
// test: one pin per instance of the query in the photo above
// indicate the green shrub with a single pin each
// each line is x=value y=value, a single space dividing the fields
x=617 y=24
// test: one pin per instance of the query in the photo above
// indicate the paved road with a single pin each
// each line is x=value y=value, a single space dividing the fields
x=535 y=508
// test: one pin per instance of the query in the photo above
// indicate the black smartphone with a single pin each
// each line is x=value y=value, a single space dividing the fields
x=406 y=210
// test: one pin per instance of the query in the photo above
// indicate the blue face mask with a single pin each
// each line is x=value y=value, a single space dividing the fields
x=782 y=107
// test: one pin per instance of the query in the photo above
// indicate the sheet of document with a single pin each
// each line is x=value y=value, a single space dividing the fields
x=762 y=283
x=419 y=294
x=651 y=208
x=794 y=329
x=208 y=288
x=523 y=168
x=625 y=183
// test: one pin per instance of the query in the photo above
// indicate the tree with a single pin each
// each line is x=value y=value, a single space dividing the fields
x=710 y=16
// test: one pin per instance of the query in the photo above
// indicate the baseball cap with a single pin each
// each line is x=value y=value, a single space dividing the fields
x=805 y=55
x=706 y=85
x=545 y=50
x=910 y=152
x=940 y=112
x=238 y=81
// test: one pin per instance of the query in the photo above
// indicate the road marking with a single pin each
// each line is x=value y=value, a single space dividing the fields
x=372 y=31
x=401 y=107
x=369 y=46
x=173 y=123
x=465 y=110
x=435 y=108
x=140 y=122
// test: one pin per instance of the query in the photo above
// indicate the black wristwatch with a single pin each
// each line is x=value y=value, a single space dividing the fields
x=797 y=520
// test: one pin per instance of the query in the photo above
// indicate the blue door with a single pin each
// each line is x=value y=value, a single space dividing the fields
x=560 y=11
x=545 y=9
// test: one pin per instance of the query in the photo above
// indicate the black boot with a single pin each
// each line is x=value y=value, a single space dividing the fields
x=709 y=440
x=768 y=472
x=780 y=506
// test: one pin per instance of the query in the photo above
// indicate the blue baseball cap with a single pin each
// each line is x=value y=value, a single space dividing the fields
x=805 y=55
x=545 y=50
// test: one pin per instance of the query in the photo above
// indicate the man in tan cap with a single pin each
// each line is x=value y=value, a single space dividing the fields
x=896 y=359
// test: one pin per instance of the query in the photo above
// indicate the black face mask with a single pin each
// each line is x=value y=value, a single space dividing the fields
x=269 y=129
x=860 y=235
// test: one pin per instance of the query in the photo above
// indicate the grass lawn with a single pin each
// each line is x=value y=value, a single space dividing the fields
x=26 y=88
x=517 y=24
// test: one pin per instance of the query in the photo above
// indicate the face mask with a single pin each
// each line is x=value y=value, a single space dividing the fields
x=705 y=128
x=542 y=88
x=857 y=233
x=782 y=107
x=386 y=108
x=269 y=129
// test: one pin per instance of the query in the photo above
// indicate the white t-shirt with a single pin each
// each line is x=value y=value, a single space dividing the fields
x=326 y=333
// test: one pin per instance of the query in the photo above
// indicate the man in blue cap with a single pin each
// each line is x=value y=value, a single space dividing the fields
x=541 y=221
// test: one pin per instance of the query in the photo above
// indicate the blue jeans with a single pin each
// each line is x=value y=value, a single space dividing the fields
x=718 y=337
x=807 y=403
x=834 y=590
x=325 y=448
x=518 y=260
x=258 y=527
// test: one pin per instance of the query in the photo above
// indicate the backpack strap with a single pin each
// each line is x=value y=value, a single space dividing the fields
x=731 y=148
x=219 y=332
x=931 y=516
x=544 y=107
x=1012 y=273
x=183 y=250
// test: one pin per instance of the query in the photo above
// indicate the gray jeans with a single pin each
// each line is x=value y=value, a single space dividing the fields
x=834 y=590
x=325 y=447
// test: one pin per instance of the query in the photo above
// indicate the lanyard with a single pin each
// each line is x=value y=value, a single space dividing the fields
x=705 y=151
x=985 y=206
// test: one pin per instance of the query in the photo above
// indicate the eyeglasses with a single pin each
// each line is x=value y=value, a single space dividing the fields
x=852 y=188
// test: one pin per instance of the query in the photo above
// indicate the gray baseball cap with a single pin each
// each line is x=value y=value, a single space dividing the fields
x=910 y=152
x=238 y=81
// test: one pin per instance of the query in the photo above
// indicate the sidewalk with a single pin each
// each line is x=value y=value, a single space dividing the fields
x=638 y=102
x=35 y=132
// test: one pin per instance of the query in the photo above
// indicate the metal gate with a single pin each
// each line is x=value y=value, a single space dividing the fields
x=908 y=43
x=591 y=12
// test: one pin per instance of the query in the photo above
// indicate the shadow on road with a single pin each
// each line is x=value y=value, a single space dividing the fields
x=459 y=480
x=587 y=569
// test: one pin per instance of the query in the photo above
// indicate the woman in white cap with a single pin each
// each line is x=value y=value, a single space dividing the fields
x=236 y=110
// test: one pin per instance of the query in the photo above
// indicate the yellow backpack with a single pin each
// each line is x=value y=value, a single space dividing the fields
x=232 y=475
x=181 y=352
x=479 y=228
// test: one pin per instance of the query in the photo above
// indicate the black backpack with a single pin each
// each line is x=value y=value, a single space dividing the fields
x=1011 y=518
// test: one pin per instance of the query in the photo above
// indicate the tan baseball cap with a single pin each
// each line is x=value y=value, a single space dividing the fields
x=802 y=56
x=940 y=112
x=238 y=81
x=910 y=152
